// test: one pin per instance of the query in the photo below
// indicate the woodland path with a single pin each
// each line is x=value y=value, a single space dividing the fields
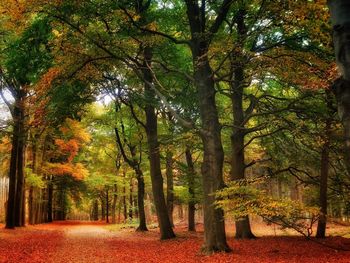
x=93 y=242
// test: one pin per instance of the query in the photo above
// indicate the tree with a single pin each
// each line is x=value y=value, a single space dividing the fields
x=339 y=10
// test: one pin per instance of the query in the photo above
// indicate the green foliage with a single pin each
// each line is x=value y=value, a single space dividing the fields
x=241 y=199
x=33 y=179
x=29 y=56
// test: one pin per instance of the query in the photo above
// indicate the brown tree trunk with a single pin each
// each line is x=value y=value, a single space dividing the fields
x=191 y=186
x=114 y=204
x=131 y=200
x=166 y=230
x=95 y=210
x=238 y=167
x=125 y=209
x=339 y=11
x=170 y=186
x=16 y=175
x=49 y=200
x=140 y=201
x=107 y=204
x=213 y=155
x=103 y=208
x=20 y=187
x=322 y=221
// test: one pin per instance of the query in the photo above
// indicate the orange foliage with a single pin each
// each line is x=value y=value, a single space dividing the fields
x=77 y=171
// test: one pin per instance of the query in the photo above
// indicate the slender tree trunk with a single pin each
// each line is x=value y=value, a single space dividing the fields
x=140 y=201
x=49 y=200
x=114 y=204
x=237 y=163
x=166 y=230
x=125 y=209
x=131 y=203
x=20 y=187
x=107 y=204
x=170 y=185
x=238 y=167
x=31 y=206
x=191 y=186
x=321 y=226
x=103 y=208
x=95 y=210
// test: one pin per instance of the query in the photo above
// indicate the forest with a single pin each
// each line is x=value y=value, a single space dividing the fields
x=174 y=131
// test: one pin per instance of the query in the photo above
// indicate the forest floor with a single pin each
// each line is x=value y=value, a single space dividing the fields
x=82 y=242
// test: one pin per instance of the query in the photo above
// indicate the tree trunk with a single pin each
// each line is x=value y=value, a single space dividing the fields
x=191 y=185
x=125 y=209
x=170 y=186
x=49 y=200
x=238 y=167
x=114 y=204
x=20 y=187
x=140 y=201
x=339 y=11
x=131 y=203
x=103 y=208
x=213 y=156
x=322 y=221
x=16 y=177
x=166 y=231
x=95 y=210
x=107 y=204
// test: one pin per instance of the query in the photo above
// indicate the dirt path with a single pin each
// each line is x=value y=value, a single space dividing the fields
x=73 y=242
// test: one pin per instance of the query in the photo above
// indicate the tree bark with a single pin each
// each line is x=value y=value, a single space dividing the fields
x=238 y=167
x=339 y=11
x=166 y=231
x=114 y=204
x=170 y=185
x=49 y=200
x=191 y=191
x=14 y=215
x=107 y=204
x=140 y=201
x=131 y=200
x=95 y=210
x=322 y=221
x=213 y=155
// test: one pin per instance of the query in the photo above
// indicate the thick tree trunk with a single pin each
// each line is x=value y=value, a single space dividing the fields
x=191 y=186
x=170 y=186
x=11 y=201
x=14 y=215
x=166 y=230
x=20 y=187
x=213 y=156
x=339 y=11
